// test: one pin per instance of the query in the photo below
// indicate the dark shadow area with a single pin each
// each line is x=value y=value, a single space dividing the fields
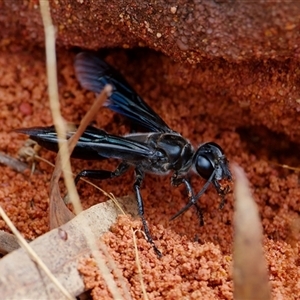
x=270 y=146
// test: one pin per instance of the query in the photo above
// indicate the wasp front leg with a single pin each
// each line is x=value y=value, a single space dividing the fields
x=176 y=181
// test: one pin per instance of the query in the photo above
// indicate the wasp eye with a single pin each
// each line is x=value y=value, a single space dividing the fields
x=204 y=166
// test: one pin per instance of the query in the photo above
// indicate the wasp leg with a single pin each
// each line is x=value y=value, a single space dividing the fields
x=199 y=214
x=191 y=196
x=139 y=176
x=103 y=174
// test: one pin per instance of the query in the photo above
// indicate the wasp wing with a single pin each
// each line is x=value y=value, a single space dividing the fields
x=94 y=144
x=93 y=74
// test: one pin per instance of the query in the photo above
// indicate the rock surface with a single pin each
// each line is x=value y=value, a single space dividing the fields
x=243 y=52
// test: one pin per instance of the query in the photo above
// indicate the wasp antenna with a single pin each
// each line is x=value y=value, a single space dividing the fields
x=206 y=185
x=183 y=210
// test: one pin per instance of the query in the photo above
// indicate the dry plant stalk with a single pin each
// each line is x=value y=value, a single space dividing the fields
x=28 y=250
x=250 y=273
x=58 y=120
x=59 y=213
x=57 y=206
x=138 y=264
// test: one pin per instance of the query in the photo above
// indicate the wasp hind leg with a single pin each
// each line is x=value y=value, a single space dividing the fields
x=102 y=174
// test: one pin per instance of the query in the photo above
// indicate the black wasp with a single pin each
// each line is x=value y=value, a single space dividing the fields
x=159 y=150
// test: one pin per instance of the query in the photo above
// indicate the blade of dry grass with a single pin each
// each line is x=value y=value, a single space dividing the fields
x=59 y=213
x=138 y=264
x=58 y=120
x=296 y=169
x=250 y=273
x=64 y=153
x=90 y=115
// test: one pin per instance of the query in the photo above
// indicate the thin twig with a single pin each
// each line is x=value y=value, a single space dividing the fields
x=138 y=264
x=296 y=169
x=90 y=115
x=58 y=120
x=64 y=153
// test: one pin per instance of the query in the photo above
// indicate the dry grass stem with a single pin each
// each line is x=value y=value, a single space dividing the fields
x=90 y=115
x=250 y=273
x=64 y=154
x=58 y=120
x=138 y=264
